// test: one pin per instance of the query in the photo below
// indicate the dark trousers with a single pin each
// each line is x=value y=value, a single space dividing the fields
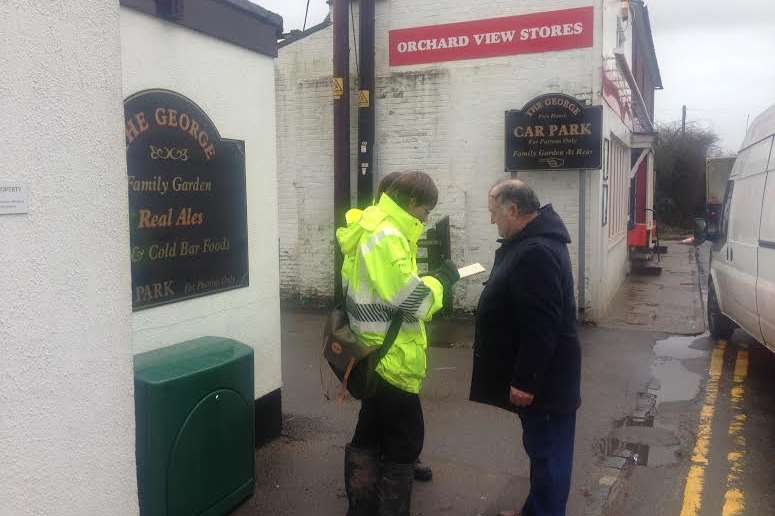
x=392 y=423
x=548 y=441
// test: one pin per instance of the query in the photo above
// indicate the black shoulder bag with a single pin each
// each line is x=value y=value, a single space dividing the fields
x=353 y=361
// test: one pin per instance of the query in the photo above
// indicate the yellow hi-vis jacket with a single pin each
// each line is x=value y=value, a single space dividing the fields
x=379 y=275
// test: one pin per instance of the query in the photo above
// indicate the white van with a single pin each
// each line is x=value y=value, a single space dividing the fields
x=741 y=289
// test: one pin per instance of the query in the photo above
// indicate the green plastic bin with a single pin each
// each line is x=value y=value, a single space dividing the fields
x=195 y=427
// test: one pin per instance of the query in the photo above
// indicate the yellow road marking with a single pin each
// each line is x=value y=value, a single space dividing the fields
x=741 y=366
x=695 y=480
x=734 y=498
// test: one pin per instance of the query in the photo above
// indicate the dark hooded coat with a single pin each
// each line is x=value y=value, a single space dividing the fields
x=526 y=322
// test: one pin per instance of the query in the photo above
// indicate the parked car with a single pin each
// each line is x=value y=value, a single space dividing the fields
x=741 y=289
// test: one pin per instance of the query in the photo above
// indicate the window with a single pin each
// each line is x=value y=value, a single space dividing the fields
x=771 y=165
x=725 y=213
x=767 y=233
x=619 y=189
x=621 y=36
x=606 y=168
x=753 y=160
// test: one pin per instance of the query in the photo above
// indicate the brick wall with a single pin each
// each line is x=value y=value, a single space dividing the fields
x=445 y=119
x=305 y=167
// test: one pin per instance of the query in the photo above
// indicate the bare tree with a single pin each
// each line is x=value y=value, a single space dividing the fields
x=680 y=172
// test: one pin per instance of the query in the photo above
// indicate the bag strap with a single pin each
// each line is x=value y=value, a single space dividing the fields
x=390 y=336
x=392 y=333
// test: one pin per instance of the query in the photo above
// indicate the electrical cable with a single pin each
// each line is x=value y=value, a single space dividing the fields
x=355 y=43
x=306 y=13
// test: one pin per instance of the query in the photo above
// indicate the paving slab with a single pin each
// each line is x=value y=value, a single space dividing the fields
x=475 y=451
x=670 y=303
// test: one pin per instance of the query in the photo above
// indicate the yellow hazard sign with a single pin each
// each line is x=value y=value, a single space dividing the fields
x=363 y=99
x=338 y=84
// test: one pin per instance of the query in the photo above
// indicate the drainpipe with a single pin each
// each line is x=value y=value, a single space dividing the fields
x=582 y=275
x=341 y=89
x=366 y=106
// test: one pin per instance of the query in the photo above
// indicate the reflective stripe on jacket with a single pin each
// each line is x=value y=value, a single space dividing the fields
x=380 y=276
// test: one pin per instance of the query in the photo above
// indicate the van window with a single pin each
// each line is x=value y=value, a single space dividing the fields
x=726 y=211
x=772 y=162
x=753 y=160
x=768 y=212
x=746 y=212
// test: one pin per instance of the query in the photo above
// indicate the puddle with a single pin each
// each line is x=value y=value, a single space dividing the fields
x=675 y=381
x=644 y=445
x=653 y=456
x=636 y=437
x=679 y=348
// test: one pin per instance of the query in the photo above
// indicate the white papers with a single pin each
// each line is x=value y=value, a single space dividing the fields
x=470 y=270
x=13 y=198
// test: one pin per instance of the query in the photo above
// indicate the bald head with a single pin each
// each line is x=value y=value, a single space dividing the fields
x=517 y=192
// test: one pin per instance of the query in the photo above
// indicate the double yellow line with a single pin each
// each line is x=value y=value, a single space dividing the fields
x=734 y=498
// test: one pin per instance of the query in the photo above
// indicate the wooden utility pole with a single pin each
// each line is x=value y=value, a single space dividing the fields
x=366 y=105
x=683 y=121
x=341 y=90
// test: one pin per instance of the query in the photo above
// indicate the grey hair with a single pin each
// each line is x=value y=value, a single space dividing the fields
x=517 y=192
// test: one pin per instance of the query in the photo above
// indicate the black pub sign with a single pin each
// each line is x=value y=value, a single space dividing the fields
x=187 y=201
x=554 y=132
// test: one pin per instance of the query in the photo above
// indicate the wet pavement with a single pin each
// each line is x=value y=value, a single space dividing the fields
x=646 y=395
x=668 y=303
x=722 y=435
x=479 y=466
x=672 y=378
x=712 y=426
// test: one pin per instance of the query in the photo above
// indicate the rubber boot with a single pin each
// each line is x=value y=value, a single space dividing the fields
x=395 y=489
x=422 y=471
x=361 y=474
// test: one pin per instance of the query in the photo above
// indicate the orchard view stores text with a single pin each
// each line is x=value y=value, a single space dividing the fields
x=512 y=35
x=492 y=38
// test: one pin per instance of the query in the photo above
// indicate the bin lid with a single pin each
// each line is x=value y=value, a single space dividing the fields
x=187 y=358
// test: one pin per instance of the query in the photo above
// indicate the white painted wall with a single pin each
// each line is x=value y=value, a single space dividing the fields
x=66 y=405
x=236 y=88
x=305 y=168
x=610 y=264
x=445 y=119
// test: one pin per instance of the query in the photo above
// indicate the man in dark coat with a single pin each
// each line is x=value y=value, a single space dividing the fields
x=527 y=357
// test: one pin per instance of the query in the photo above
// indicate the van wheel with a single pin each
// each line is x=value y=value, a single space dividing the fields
x=720 y=326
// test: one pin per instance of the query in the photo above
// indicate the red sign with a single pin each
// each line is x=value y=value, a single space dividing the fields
x=527 y=34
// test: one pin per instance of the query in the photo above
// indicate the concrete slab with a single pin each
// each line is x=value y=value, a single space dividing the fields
x=656 y=485
x=669 y=303
x=475 y=451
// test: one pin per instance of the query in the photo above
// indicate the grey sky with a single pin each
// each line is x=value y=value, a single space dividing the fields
x=292 y=11
x=716 y=57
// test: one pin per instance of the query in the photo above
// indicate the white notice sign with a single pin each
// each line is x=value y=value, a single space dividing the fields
x=470 y=270
x=13 y=198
